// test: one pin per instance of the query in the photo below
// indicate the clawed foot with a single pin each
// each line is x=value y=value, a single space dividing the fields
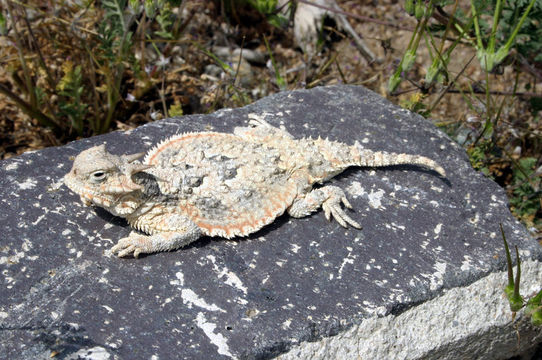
x=332 y=206
x=134 y=245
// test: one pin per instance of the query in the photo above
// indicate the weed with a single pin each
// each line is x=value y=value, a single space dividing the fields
x=83 y=99
x=510 y=37
x=526 y=192
x=511 y=290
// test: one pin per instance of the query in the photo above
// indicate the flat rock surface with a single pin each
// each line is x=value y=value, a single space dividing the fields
x=297 y=280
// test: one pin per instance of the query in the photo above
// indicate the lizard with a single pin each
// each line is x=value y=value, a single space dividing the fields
x=221 y=184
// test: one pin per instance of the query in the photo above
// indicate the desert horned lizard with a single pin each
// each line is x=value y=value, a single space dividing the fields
x=218 y=184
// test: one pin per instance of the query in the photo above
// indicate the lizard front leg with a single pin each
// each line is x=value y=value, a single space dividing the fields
x=164 y=238
x=329 y=198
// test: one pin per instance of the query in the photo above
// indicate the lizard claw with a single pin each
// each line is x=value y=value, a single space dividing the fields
x=332 y=206
x=134 y=245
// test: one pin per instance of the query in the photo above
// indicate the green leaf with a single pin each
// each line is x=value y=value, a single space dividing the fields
x=409 y=7
x=393 y=83
x=534 y=309
x=408 y=60
x=3 y=29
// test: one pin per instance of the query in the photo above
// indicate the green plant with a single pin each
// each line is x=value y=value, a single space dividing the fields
x=512 y=25
x=526 y=191
x=103 y=39
x=502 y=35
x=489 y=55
x=269 y=9
x=70 y=88
x=281 y=82
x=481 y=156
x=529 y=35
x=423 y=12
x=415 y=104
x=511 y=290
x=115 y=43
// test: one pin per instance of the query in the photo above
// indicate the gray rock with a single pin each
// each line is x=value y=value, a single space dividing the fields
x=429 y=257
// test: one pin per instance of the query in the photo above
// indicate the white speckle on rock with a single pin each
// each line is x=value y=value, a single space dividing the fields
x=475 y=219
x=286 y=324
x=180 y=279
x=349 y=259
x=424 y=244
x=109 y=309
x=190 y=298
x=216 y=339
x=375 y=198
x=525 y=253
x=355 y=189
x=28 y=184
x=437 y=229
x=466 y=264
x=397 y=226
x=436 y=279
x=95 y=353
x=295 y=248
x=13 y=259
x=12 y=166
x=41 y=217
x=231 y=278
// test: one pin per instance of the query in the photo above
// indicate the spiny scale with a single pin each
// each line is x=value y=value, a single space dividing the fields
x=244 y=205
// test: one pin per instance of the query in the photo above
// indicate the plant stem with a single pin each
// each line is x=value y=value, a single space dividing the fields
x=493 y=35
x=29 y=109
x=479 y=43
x=512 y=37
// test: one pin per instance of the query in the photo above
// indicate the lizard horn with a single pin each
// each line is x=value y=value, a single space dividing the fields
x=130 y=170
x=135 y=168
x=132 y=157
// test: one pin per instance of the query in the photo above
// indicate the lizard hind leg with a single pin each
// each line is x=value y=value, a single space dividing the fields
x=329 y=198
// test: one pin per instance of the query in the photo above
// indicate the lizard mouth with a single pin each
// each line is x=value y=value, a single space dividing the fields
x=119 y=203
x=88 y=195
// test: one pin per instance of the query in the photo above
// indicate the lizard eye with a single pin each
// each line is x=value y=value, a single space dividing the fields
x=98 y=176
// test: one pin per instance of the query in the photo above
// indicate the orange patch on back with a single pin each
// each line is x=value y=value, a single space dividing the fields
x=248 y=224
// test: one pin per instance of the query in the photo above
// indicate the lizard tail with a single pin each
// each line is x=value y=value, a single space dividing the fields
x=341 y=156
x=370 y=158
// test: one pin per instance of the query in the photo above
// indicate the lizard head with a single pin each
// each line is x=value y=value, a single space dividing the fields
x=104 y=179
